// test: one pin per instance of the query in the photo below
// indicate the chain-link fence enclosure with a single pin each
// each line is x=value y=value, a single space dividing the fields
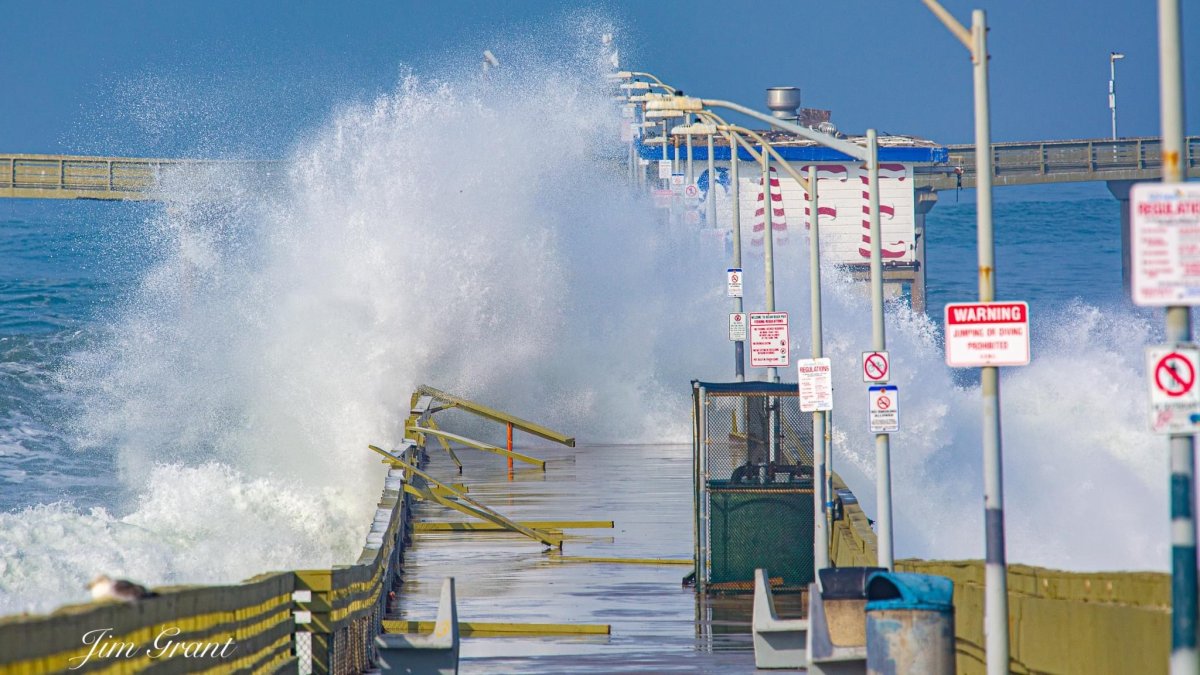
x=753 y=470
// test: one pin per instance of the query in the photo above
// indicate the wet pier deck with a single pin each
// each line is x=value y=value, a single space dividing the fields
x=657 y=625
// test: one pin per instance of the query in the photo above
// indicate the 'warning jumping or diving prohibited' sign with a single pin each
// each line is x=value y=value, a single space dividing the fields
x=875 y=367
x=1174 y=396
x=884 y=408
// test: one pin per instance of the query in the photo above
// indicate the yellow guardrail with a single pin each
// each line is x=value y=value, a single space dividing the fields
x=319 y=621
x=1067 y=623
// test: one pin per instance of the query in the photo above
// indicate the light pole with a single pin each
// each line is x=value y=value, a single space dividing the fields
x=821 y=437
x=995 y=619
x=869 y=155
x=1184 y=611
x=1112 y=88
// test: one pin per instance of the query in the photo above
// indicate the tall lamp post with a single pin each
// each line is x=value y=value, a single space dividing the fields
x=1112 y=88
x=1184 y=611
x=869 y=155
x=995 y=614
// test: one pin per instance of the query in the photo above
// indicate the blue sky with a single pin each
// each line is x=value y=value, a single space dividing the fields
x=141 y=77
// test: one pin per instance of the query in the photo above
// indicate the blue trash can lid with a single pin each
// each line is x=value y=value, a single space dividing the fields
x=903 y=590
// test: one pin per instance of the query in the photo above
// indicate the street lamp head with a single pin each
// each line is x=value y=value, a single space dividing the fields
x=696 y=129
x=1113 y=56
x=620 y=75
x=662 y=114
x=639 y=85
x=682 y=104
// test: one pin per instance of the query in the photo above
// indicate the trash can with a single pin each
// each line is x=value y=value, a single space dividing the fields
x=910 y=624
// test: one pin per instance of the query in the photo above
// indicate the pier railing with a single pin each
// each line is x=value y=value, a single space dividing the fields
x=1024 y=163
x=29 y=176
x=306 y=621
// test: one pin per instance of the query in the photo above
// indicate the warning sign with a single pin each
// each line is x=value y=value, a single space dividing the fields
x=733 y=282
x=692 y=191
x=816 y=384
x=1174 y=396
x=1164 y=221
x=884 y=412
x=664 y=168
x=987 y=334
x=737 y=327
x=875 y=367
x=769 y=340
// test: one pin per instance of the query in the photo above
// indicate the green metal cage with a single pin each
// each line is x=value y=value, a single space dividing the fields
x=752 y=464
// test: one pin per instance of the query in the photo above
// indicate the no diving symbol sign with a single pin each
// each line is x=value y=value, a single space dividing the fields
x=1174 y=375
x=876 y=367
x=1174 y=396
x=883 y=402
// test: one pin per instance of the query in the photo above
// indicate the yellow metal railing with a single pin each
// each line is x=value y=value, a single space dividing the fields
x=319 y=621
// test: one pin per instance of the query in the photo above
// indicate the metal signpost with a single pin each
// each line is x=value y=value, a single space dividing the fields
x=1169 y=374
x=995 y=613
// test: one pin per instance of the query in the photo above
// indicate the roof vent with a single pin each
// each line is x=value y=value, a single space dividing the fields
x=783 y=102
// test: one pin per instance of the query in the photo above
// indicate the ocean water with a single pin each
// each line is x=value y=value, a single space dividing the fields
x=188 y=390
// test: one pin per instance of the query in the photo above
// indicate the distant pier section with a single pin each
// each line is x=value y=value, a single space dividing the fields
x=25 y=176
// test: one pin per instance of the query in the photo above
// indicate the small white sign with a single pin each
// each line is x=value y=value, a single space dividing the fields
x=876 y=367
x=1164 y=251
x=733 y=282
x=628 y=131
x=664 y=168
x=769 y=340
x=737 y=327
x=884 y=413
x=692 y=191
x=816 y=384
x=1174 y=396
x=627 y=111
x=677 y=183
x=987 y=334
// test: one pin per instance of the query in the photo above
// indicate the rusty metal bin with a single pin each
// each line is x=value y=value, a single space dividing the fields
x=910 y=624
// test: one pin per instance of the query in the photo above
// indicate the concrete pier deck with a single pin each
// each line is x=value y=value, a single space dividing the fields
x=657 y=624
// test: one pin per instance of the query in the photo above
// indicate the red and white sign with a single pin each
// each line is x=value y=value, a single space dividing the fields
x=816 y=384
x=737 y=327
x=769 y=340
x=884 y=408
x=1165 y=243
x=733 y=282
x=987 y=334
x=662 y=199
x=691 y=191
x=1174 y=396
x=876 y=367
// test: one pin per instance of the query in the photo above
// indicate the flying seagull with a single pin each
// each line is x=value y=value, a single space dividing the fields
x=122 y=590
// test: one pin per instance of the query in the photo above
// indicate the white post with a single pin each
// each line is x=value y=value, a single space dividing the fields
x=883 y=462
x=820 y=529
